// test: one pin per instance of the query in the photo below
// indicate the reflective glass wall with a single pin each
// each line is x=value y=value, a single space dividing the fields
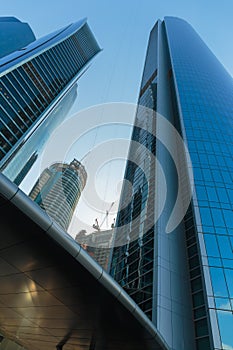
x=134 y=255
x=205 y=94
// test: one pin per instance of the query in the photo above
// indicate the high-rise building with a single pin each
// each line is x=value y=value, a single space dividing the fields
x=35 y=77
x=58 y=190
x=180 y=274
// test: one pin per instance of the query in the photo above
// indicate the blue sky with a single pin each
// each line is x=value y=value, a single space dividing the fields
x=122 y=29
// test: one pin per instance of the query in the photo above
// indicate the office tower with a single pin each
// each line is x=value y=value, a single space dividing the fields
x=58 y=190
x=181 y=275
x=36 y=77
x=98 y=244
x=14 y=35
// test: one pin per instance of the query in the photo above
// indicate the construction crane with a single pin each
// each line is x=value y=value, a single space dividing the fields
x=98 y=226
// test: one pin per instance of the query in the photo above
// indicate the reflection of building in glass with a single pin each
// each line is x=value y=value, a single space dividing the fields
x=98 y=244
x=58 y=190
x=34 y=79
x=26 y=168
x=182 y=280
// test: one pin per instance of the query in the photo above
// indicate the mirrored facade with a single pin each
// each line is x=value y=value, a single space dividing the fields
x=182 y=280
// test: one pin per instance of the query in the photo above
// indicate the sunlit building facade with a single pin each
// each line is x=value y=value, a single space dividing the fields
x=182 y=280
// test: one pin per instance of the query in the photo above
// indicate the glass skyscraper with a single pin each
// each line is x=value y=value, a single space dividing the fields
x=38 y=88
x=182 y=278
x=35 y=78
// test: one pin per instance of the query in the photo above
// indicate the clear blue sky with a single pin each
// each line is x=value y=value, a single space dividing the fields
x=122 y=29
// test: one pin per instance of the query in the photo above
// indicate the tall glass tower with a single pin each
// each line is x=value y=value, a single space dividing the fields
x=181 y=277
x=35 y=77
x=38 y=88
x=58 y=190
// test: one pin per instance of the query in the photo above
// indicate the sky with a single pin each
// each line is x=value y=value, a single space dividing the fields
x=122 y=30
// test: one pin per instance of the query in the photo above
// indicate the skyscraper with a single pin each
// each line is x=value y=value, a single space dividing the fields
x=180 y=272
x=36 y=77
x=58 y=190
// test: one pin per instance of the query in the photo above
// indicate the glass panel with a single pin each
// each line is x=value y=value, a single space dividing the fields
x=225 y=320
x=198 y=313
x=218 y=282
x=225 y=247
x=218 y=217
x=203 y=344
x=201 y=327
x=196 y=284
x=212 y=195
x=228 y=216
x=229 y=278
x=222 y=303
x=211 y=245
x=198 y=299
x=206 y=217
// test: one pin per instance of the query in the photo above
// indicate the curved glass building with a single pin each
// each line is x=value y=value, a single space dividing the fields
x=183 y=280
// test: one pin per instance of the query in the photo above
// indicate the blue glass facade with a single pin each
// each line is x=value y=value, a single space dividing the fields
x=205 y=94
x=194 y=93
